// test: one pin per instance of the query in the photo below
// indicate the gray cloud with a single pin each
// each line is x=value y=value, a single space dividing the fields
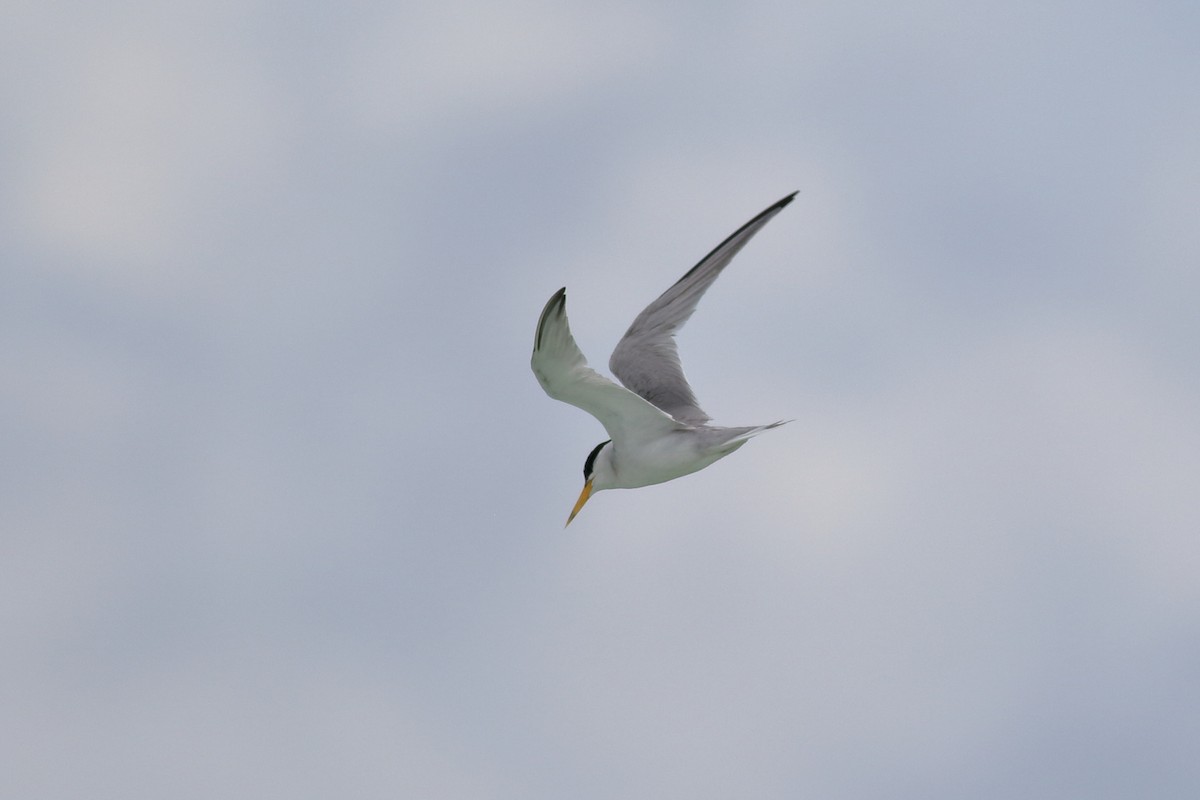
x=283 y=502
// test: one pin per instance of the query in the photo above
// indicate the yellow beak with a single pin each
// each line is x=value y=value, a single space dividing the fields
x=583 y=498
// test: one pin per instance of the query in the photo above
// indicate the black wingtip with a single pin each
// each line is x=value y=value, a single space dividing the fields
x=557 y=300
x=767 y=212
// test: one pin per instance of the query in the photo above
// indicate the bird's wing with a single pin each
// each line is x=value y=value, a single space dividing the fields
x=646 y=359
x=563 y=372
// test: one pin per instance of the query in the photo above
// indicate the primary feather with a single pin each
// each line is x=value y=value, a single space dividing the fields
x=646 y=360
x=563 y=372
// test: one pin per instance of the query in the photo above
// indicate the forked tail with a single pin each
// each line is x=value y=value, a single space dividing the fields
x=739 y=436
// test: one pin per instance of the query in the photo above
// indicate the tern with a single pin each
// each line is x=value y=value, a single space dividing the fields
x=656 y=428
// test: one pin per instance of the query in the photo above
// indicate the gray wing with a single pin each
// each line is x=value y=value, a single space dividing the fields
x=646 y=359
x=563 y=372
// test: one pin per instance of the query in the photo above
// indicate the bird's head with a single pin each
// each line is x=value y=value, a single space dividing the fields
x=596 y=472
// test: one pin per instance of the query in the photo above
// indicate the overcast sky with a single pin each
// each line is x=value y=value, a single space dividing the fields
x=281 y=503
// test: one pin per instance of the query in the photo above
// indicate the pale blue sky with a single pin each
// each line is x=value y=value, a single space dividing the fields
x=282 y=502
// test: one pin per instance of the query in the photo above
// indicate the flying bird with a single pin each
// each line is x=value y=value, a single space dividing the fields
x=657 y=430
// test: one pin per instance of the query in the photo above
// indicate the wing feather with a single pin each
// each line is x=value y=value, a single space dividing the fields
x=563 y=372
x=646 y=360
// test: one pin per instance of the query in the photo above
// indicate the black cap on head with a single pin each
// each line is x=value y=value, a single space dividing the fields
x=591 y=459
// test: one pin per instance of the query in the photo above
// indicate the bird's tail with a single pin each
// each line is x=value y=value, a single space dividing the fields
x=739 y=436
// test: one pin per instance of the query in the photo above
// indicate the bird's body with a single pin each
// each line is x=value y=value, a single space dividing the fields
x=657 y=429
x=658 y=459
